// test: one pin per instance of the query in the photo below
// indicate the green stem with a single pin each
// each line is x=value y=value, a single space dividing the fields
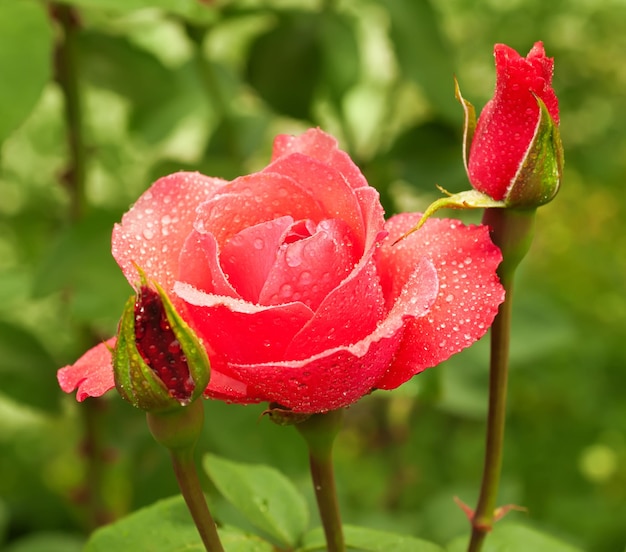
x=67 y=71
x=94 y=450
x=178 y=430
x=511 y=230
x=189 y=483
x=320 y=431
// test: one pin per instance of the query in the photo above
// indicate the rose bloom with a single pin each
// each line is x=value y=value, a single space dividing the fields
x=509 y=122
x=290 y=279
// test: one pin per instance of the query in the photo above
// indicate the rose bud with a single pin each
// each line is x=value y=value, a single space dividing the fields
x=513 y=155
x=159 y=363
x=516 y=155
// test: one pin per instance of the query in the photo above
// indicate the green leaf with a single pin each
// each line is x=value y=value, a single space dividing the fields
x=263 y=495
x=25 y=54
x=27 y=370
x=47 y=542
x=513 y=537
x=284 y=64
x=166 y=526
x=370 y=540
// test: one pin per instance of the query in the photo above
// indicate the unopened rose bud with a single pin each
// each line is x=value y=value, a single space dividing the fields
x=159 y=363
x=515 y=153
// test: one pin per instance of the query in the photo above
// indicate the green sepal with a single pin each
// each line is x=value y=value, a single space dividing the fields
x=136 y=381
x=469 y=199
x=197 y=358
x=469 y=124
x=284 y=416
x=538 y=178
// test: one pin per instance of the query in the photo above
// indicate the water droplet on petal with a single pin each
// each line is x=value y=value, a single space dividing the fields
x=148 y=234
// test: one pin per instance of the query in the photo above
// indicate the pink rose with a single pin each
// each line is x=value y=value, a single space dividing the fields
x=514 y=155
x=289 y=278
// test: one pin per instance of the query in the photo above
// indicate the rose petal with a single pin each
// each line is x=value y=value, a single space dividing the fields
x=253 y=199
x=327 y=185
x=249 y=256
x=350 y=313
x=338 y=377
x=92 y=373
x=469 y=290
x=153 y=232
x=240 y=331
x=308 y=269
x=200 y=266
x=317 y=144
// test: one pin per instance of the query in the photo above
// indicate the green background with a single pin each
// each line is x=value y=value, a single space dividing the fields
x=164 y=85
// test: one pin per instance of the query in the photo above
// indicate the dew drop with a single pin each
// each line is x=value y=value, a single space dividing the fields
x=305 y=278
x=259 y=243
x=293 y=257
x=449 y=298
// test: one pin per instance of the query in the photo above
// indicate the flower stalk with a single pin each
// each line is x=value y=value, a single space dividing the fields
x=319 y=432
x=512 y=231
x=178 y=431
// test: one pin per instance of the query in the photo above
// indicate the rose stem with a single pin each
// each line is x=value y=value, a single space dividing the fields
x=189 y=483
x=178 y=431
x=320 y=431
x=67 y=70
x=511 y=230
x=66 y=74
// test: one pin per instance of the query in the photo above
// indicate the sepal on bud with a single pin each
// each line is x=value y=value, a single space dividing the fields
x=159 y=363
x=538 y=178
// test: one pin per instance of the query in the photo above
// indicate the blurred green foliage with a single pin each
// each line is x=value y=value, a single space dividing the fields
x=100 y=97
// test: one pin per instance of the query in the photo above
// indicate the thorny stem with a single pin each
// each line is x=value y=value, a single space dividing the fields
x=511 y=230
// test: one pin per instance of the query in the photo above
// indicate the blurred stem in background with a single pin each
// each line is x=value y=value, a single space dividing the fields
x=511 y=230
x=74 y=178
x=67 y=75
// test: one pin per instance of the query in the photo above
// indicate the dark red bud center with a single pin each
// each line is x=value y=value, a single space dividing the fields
x=158 y=345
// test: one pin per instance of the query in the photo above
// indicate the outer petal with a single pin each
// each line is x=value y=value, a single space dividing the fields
x=240 y=331
x=469 y=290
x=338 y=377
x=317 y=144
x=153 y=232
x=92 y=373
x=349 y=314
